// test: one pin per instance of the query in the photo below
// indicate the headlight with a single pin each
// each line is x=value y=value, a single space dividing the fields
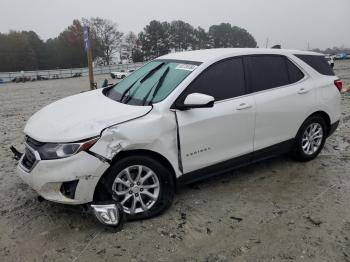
x=54 y=151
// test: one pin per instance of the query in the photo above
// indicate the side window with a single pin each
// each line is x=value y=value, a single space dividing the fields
x=222 y=80
x=295 y=74
x=267 y=71
x=317 y=62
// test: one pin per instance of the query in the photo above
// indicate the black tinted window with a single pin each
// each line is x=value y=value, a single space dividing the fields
x=295 y=73
x=267 y=71
x=222 y=80
x=317 y=62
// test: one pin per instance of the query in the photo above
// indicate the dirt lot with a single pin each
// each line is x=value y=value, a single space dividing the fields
x=277 y=210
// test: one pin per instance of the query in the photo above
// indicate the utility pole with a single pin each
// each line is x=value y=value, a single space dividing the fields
x=88 y=49
x=267 y=42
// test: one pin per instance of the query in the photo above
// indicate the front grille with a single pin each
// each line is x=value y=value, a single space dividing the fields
x=29 y=159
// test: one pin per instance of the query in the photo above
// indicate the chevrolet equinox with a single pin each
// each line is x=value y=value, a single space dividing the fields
x=180 y=118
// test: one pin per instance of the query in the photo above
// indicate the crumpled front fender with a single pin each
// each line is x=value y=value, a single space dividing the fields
x=154 y=132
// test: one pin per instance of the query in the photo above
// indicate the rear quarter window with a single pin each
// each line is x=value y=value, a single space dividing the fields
x=317 y=62
x=295 y=74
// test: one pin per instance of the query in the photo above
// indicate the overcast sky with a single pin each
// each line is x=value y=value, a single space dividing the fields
x=292 y=23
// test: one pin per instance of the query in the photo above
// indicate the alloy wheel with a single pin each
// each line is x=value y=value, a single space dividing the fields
x=312 y=138
x=136 y=188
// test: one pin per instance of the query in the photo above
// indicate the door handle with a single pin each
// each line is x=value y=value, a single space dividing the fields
x=303 y=91
x=242 y=106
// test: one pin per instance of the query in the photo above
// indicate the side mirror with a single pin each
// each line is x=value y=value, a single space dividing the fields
x=197 y=100
x=104 y=83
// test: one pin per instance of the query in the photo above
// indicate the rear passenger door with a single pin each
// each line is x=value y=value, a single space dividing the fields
x=281 y=96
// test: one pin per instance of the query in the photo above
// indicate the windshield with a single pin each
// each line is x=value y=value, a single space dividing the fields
x=151 y=83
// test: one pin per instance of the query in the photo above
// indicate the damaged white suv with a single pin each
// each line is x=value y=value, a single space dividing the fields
x=180 y=118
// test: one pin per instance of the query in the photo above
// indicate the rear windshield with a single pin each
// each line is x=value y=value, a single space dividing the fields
x=317 y=62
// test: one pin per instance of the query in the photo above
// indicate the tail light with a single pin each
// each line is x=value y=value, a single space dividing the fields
x=338 y=83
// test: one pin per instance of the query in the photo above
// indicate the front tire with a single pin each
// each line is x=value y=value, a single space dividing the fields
x=310 y=138
x=142 y=185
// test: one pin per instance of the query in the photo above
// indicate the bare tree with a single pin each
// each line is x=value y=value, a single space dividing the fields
x=107 y=36
x=130 y=40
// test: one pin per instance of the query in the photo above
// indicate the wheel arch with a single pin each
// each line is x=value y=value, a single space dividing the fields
x=142 y=152
x=325 y=116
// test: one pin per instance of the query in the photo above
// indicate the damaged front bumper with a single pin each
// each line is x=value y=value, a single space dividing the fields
x=70 y=180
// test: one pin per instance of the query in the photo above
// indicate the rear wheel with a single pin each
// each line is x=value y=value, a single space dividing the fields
x=310 y=138
x=143 y=186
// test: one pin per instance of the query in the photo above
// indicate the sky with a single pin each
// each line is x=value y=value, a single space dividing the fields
x=295 y=24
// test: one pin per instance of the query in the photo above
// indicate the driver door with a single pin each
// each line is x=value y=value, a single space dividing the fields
x=225 y=131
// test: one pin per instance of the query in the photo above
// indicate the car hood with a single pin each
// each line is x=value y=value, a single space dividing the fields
x=80 y=117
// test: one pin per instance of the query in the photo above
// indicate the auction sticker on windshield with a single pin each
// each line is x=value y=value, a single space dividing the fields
x=188 y=67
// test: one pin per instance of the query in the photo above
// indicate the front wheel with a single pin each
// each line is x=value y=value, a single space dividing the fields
x=142 y=185
x=310 y=138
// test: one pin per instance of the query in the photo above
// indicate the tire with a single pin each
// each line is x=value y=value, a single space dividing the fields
x=122 y=77
x=109 y=188
x=305 y=135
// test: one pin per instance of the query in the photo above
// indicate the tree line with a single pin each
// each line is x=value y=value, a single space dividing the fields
x=333 y=50
x=25 y=50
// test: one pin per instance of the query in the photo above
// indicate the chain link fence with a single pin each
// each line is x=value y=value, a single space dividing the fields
x=6 y=77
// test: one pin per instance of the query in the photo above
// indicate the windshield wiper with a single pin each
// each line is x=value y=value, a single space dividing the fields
x=157 y=87
x=150 y=73
x=143 y=78
x=128 y=89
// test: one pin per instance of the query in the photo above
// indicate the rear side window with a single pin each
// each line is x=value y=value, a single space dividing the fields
x=317 y=62
x=294 y=72
x=267 y=71
x=222 y=80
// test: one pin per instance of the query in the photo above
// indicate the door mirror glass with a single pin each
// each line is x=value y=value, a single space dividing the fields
x=197 y=100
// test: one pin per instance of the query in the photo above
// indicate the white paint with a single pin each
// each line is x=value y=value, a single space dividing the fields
x=79 y=117
x=207 y=55
x=223 y=130
x=155 y=132
x=198 y=99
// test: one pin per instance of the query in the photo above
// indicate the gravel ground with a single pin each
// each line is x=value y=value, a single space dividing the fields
x=276 y=210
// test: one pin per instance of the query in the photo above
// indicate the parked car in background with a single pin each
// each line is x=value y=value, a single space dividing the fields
x=18 y=79
x=180 y=118
x=121 y=75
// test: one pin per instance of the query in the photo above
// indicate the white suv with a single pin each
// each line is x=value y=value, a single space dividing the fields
x=180 y=118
